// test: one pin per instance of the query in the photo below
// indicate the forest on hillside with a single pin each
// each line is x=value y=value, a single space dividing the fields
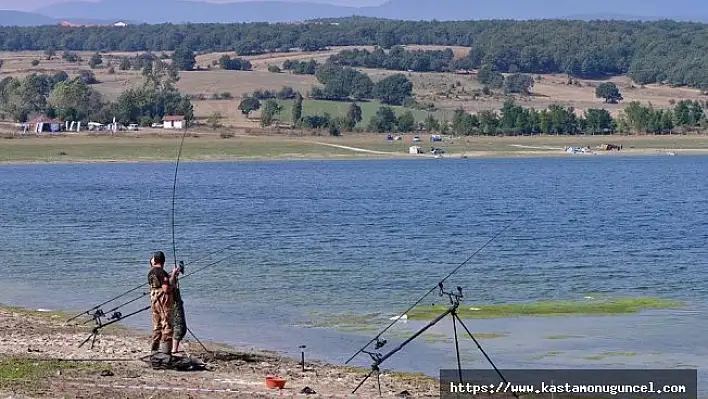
x=665 y=51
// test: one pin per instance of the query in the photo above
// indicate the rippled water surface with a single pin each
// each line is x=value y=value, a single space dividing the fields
x=320 y=238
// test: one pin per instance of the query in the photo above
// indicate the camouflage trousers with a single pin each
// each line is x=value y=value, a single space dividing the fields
x=162 y=320
x=178 y=319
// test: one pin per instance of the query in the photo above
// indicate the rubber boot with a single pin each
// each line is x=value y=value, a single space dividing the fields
x=166 y=348
x=155 y=347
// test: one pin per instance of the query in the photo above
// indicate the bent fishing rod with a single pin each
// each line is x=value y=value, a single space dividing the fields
x=174 y=191
x=437 y=286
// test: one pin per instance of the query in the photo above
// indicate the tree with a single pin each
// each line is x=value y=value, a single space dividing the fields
x=68 y=56
x=88 y=77
x=406 y=122
x=249 y=104
x=124 y=64
x=214 y=120
x=383 y=121
x=270 y=110
x=598 y=120
x=297 y=109
x=95 y=61
x=235 y=64
x=610 y=92
x=490 y=77
x=286 y=93
x=184 y=59
x=393 y=90
x=74 y=100
x=50 y=53
x=341 y=83
x=274 y=69
x=431 y=124
x=354 y=115
x=518 y=83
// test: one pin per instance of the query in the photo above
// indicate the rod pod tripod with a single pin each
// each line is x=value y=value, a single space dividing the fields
x=454 y=298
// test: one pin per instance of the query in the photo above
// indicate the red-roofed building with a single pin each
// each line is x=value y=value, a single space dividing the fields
x=44 y=123
x=174 y=122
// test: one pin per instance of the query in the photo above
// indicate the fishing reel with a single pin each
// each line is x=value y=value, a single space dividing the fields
x=116 y=316
x=375 y=356
x=97 y=315
x=454 y=296
x=181 y=267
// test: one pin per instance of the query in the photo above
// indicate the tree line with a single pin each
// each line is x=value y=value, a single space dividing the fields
x=661 y=51
x=73 y=99
x=559 y=119
x=398 y=59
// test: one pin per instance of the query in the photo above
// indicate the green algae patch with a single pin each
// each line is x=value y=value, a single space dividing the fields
x=617 y=306
x=437 y=338
x=547 y=354
x=610 y=354
x=561 y=336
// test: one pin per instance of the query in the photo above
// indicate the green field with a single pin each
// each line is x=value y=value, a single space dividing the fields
x=340 y=108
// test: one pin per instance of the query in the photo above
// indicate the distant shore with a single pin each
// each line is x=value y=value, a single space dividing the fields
x=210 y=147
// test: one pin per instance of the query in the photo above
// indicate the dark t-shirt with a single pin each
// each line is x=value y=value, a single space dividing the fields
x=157 y=277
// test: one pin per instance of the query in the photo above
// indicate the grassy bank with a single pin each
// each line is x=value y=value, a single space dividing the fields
x=210 y=146
x=619 y=306
x=27 y=374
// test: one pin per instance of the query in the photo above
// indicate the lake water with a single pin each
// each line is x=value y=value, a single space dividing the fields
x=311 y=239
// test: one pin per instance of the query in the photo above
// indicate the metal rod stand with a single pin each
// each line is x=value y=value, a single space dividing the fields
x=452 y=310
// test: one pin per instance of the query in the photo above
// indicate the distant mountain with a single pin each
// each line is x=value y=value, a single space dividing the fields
x=182 y=11
x=22 y=18
x=446 y=10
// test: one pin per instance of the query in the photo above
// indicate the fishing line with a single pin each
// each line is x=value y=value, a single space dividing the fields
x=435 y=287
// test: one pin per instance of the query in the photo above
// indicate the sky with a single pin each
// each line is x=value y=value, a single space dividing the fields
x=30 y=5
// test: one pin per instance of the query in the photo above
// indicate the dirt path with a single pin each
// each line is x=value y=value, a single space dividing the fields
x=40 y=357
x=357 y=149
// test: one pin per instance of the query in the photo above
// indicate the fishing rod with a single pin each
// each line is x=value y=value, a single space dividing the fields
x=174 y=191
x=97 y=307
x=437 y=286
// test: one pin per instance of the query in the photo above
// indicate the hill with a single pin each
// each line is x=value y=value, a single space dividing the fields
x=666 y=52
x=180 y=11
x=22 y=18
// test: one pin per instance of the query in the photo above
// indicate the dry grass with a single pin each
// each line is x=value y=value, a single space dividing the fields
x=240 y=82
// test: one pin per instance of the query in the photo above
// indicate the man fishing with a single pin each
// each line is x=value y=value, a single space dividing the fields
x=162 y=287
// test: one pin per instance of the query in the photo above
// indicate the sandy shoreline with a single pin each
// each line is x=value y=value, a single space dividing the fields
x=114 y=369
